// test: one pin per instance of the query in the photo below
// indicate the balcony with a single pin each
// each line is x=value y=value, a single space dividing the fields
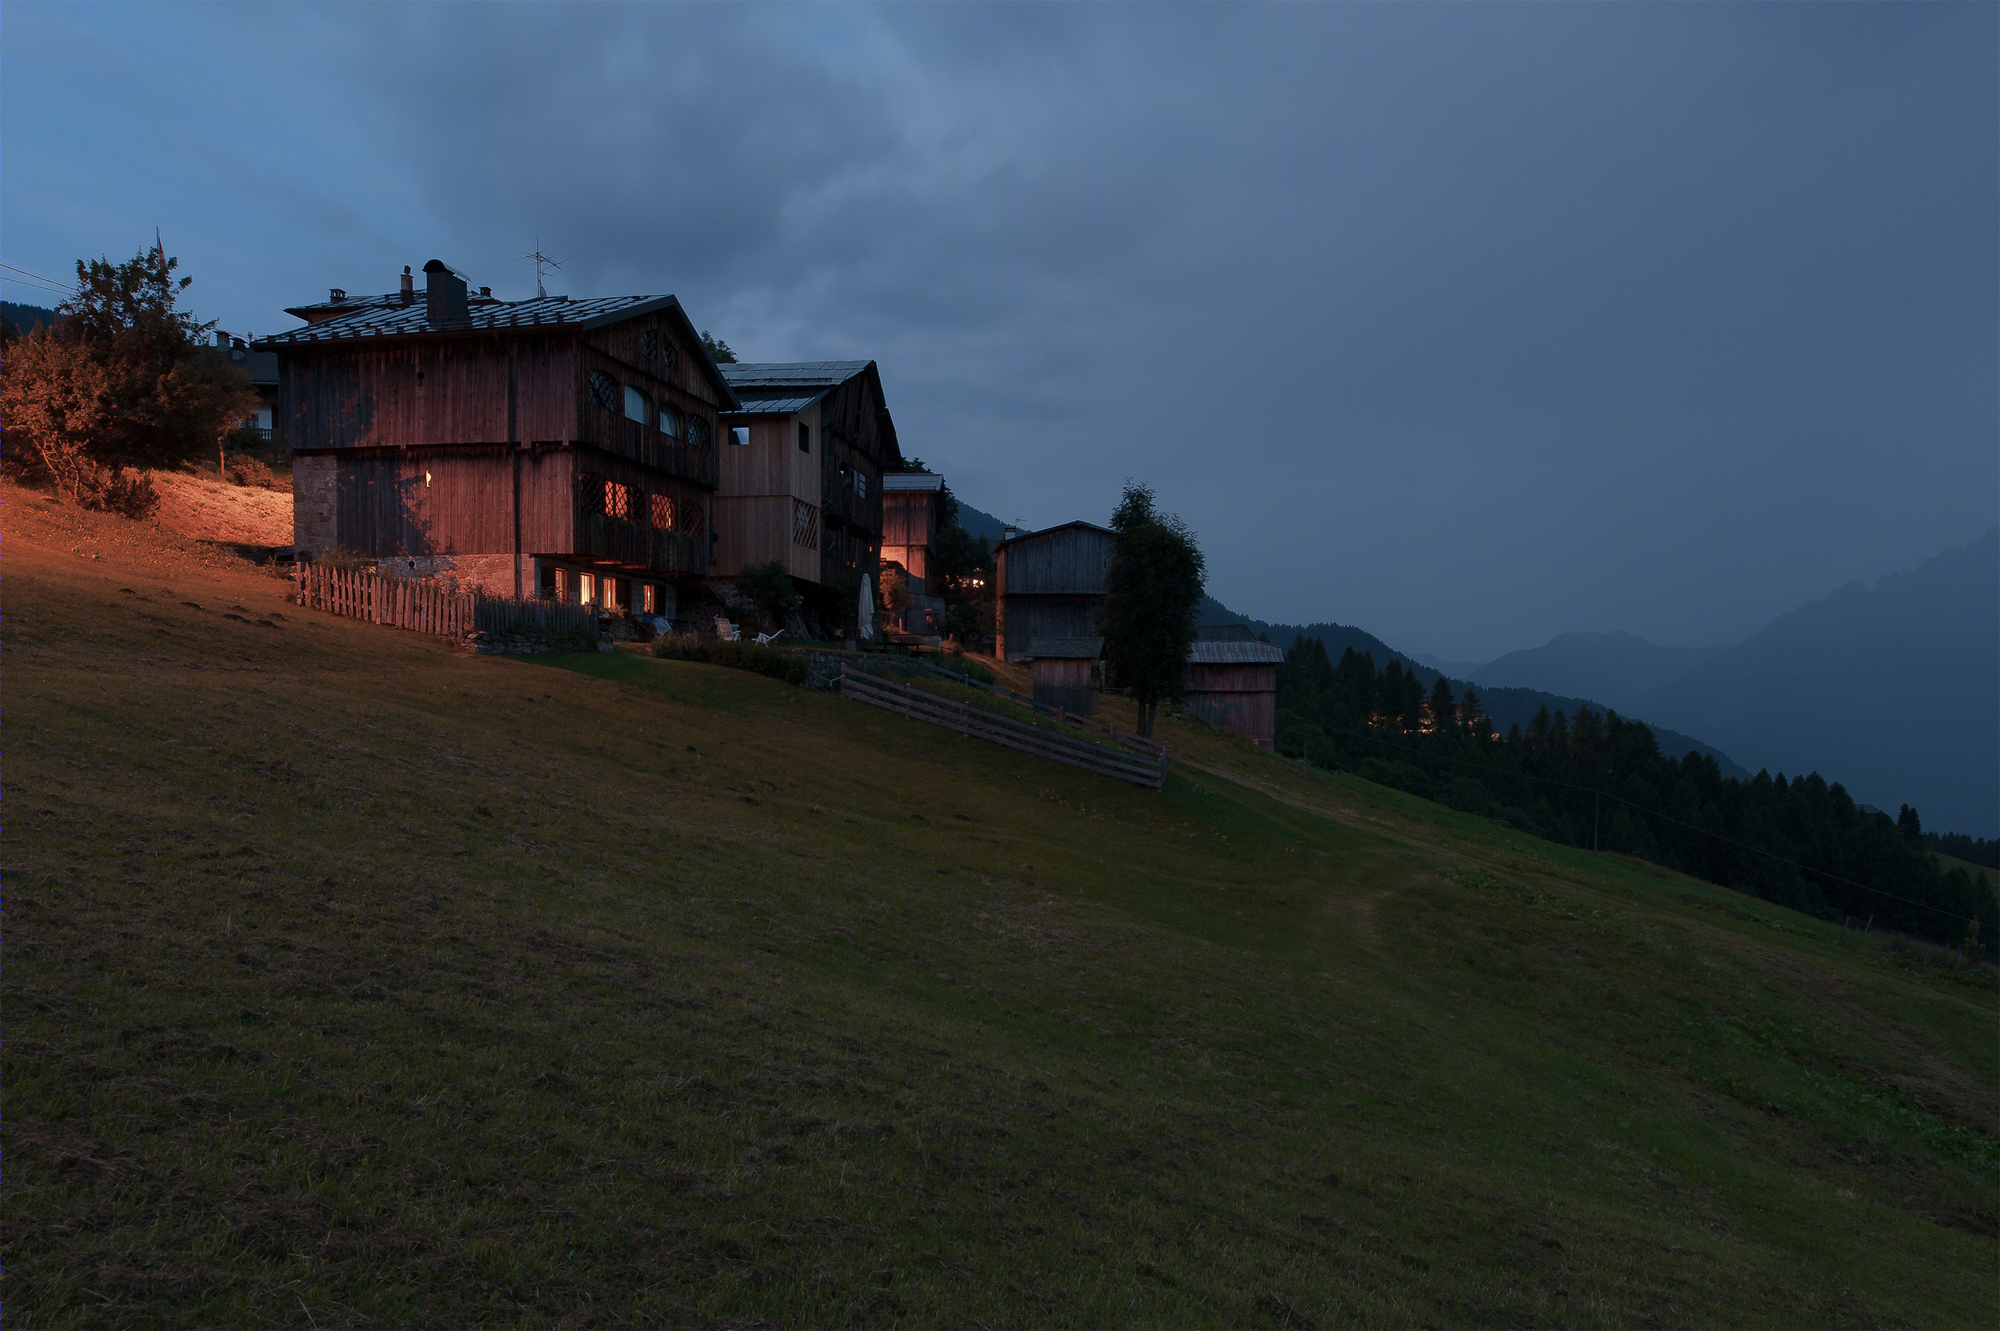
x=645 y=445
x=617 y=541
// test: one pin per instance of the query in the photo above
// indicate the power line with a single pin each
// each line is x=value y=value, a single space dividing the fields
x=45 y=281
x=1667 y=817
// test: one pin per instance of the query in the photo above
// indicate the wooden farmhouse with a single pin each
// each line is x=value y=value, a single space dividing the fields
x=801 y=476
x=567 y=447
x=1049 y=584
x=1232 y=680
x=912 y=503
x=1067 y=673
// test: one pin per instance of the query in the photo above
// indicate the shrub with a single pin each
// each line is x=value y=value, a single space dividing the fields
x=772 y=661
x=256 y=473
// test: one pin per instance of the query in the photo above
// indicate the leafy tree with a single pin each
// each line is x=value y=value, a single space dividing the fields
x=120 y=379
x=718 y=350
x=1152 y=592
x=769 y=588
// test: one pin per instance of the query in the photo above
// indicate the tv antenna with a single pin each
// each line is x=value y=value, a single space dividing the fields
x=540 y=260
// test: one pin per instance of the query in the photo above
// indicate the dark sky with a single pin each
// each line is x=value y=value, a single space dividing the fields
x=1466 y=324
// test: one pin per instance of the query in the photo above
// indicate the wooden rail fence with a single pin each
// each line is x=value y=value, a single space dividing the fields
x=1141 y=762
x=358 y=594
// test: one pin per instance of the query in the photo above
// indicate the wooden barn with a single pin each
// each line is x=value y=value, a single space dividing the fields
x=912 y=503
x=1049 y=584
x=1067 y=674
x=553 y=445
x=801 y=478
x=1232 y=680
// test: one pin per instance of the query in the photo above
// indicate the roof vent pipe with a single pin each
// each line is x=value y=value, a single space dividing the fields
x=444 y=294
x=409 y=287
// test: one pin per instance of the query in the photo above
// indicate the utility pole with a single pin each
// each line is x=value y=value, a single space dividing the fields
x=1596 y=801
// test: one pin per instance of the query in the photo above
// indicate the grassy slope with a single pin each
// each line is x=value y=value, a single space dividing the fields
x=351 y=981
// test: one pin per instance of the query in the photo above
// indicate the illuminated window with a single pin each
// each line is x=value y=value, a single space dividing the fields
x=586 y=587
x=649 y=599
x=637 y=408
x=560 y=583
x=662 y=511
x=617 y=500
x=670 y=421
x=603 y=390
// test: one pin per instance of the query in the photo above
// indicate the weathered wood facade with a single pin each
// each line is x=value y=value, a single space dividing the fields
x=1234 y=683
x=911 y=505
x=1050 y=584
x=801 y=478
x=1067 y=673
x=505 y=443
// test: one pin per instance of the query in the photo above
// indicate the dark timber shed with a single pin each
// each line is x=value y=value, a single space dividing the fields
x=1232 y=680
x=1066 y=673
x=1049 y=584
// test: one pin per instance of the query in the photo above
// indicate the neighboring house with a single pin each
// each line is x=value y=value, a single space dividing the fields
x=912 y=503
x=1067 y=674
x=262 y=367
x=801 y=479
x=1232 y=680
x=552 y=445
x=1049 y=584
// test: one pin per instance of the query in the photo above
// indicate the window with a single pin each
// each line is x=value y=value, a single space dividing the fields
x=690 y=516
x=603 y=390
x=670 y=421
x=805 y=524
x=805 y=437
x=861 y=484
x=637 y=408
x=649 y=347
x=662 y=513
x=670 y=358
x=739 y=435
x=559 y=583
x=649 y=600
x=586 y=587
x=697 y=431
x=617 y=500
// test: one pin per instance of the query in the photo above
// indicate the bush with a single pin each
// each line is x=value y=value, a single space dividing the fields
x=255 y=473
x=772 y=661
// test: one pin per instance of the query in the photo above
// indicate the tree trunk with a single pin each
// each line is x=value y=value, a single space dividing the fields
x=1147 y=711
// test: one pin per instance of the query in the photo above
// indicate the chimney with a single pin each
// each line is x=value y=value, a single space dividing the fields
x=336 y=295
x=444 y=294
x=1011 y=533
x=221 y=338
x=486 y=293
x=409 y=287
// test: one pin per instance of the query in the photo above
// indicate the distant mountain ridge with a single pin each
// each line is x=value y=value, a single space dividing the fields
x=1620 y=668
x=25 y=318
x=1507 y=706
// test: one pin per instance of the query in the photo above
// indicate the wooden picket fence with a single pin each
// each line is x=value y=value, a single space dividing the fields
x=1141 y=762
x=408 y=604
x=384 y=600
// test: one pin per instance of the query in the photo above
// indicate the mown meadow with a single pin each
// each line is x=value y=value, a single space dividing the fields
x=350 y=981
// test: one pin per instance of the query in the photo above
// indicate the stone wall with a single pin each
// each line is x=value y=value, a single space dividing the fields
x=314 y=501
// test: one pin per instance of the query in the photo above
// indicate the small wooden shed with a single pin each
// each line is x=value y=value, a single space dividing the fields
x=1066 y=673
x=1049 y=584
x=1232 y=680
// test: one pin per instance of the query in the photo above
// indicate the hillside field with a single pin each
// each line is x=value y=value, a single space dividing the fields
x=351 y=981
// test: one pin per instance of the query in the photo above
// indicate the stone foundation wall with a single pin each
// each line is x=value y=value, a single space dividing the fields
x=314 y=501
x=493 y=574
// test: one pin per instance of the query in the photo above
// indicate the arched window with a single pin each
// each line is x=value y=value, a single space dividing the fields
x=670 y=422
x=603 y=390
x=637 y=408
x=697 y=431
x=662 y=511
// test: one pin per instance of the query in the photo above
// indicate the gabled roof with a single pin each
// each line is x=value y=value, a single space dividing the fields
x=1234 y=653
x=540 y=314
x=327 y=309
x=1046 y=531
x=785 y=388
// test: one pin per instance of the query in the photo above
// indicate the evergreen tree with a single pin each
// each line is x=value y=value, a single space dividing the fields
x=1152 y=593
x=1444 y=708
